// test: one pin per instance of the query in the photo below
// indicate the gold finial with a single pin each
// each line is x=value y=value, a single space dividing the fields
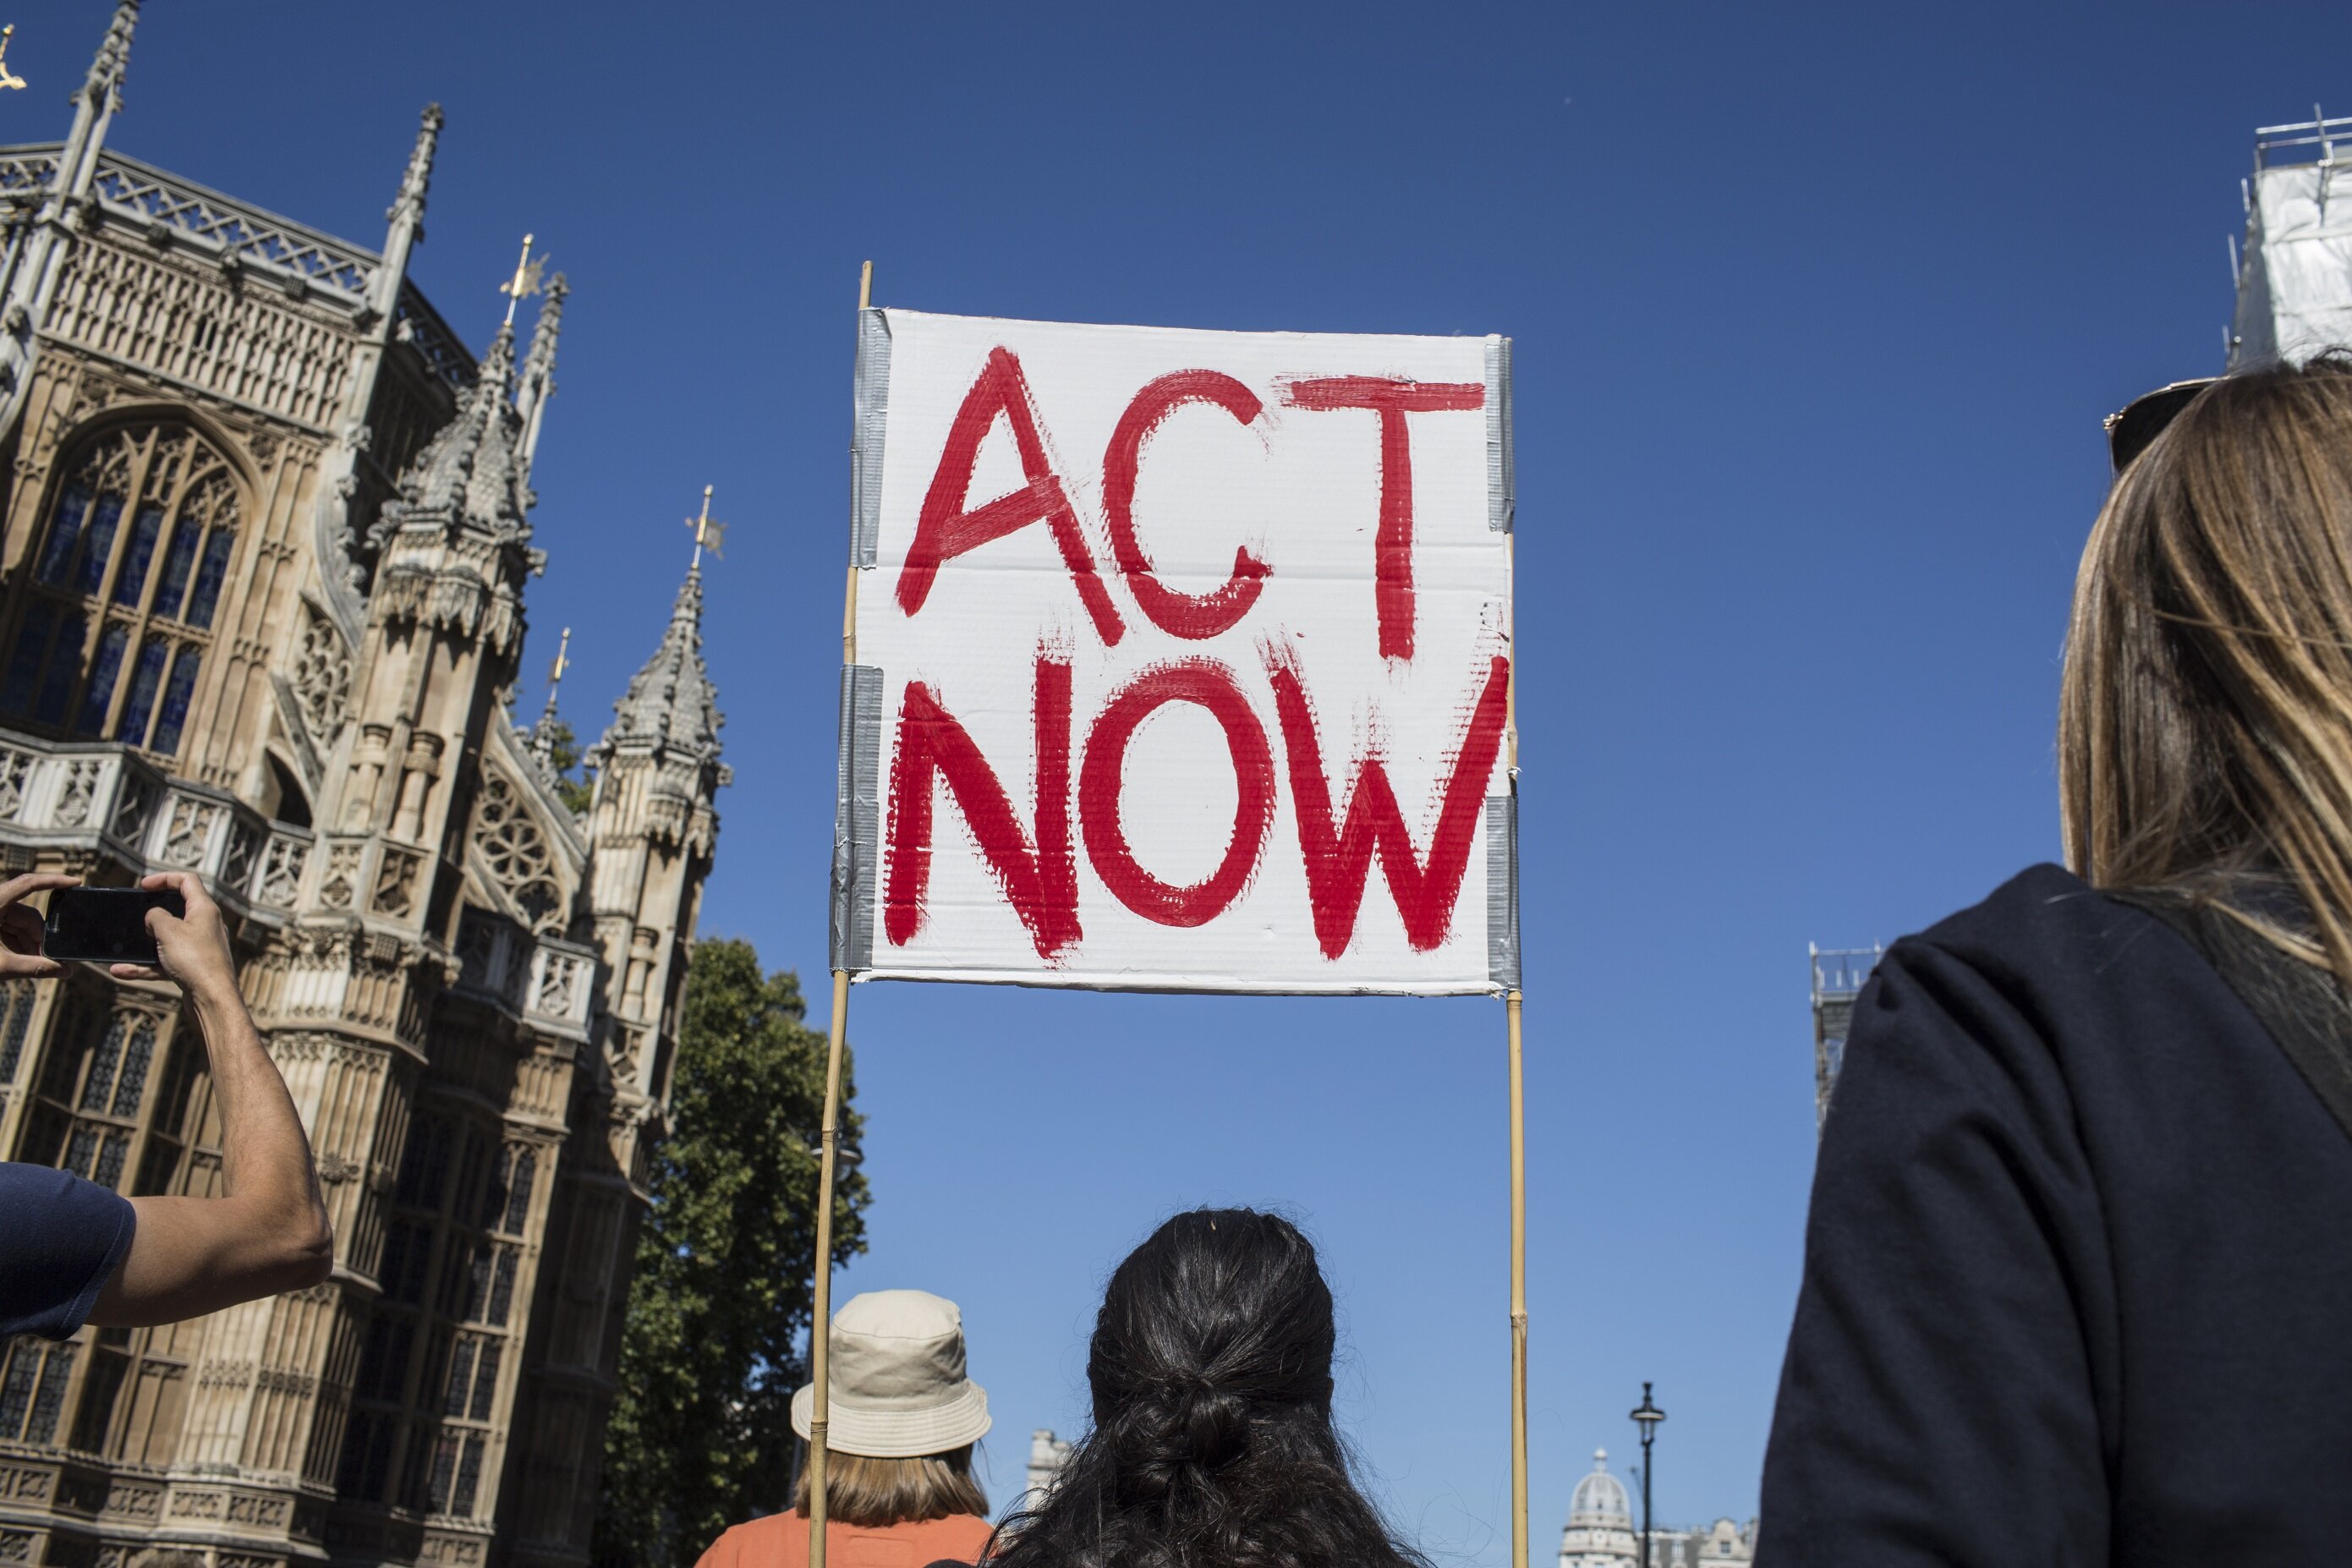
x=7 y=78
x=706 y=533
x=525 y=281
x=542 y=738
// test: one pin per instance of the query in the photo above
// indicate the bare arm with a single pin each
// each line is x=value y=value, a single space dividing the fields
x=268 y=1232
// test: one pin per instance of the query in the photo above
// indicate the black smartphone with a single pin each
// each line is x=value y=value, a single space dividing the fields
x=106 y=925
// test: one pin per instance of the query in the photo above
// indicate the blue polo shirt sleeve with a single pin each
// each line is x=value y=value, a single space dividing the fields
x=61 y=1238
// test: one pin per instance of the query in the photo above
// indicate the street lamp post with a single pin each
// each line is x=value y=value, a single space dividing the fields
x=1647 y=1416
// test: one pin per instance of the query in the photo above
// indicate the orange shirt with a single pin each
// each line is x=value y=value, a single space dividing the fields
x=781 y=1541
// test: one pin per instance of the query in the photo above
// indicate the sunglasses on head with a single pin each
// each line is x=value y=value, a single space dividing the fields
x=2143 y=419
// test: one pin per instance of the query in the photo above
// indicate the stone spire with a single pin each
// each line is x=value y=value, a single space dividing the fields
x=671 y=707
x=470 y=467
x=405 y=220
x=32 y=280
x=103 y=86
x=538 y=369
x=453 y=548
x=418 y=177
x=94 y=109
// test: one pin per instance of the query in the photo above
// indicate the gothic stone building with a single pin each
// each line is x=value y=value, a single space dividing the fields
x=266 y=541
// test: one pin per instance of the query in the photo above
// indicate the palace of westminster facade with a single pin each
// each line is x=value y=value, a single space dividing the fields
x=266 y=541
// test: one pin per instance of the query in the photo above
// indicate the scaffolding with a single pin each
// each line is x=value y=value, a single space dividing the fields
x=1838 y=976
x=2293 y=269
x=2315 y=140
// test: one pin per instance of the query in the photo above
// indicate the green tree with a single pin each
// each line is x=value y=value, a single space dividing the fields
x=701 y=1437
x=579 y=788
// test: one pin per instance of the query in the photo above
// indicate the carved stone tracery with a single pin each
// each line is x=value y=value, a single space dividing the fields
x=515 y=852
x=322 y=677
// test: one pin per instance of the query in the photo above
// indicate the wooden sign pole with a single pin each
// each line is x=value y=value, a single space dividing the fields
x=1518 y=1294
x=821 y=1314
x=1519 y=1160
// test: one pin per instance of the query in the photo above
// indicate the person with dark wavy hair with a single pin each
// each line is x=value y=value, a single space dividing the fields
x=1213 y=1442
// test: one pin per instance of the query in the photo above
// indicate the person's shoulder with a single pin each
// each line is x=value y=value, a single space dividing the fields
x=58 y=1202
x=763 y=1542
x=962 y=1535
x=64 y=1239
x=2046 y=922
x=2047 y=965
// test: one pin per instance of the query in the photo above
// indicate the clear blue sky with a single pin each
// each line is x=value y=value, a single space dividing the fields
x=1817 y=311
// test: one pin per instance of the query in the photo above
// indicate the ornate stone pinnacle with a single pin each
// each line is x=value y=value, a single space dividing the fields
x=419 y=173
x=113 y=60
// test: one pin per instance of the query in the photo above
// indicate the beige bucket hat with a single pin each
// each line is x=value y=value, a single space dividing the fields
x=899 y=1385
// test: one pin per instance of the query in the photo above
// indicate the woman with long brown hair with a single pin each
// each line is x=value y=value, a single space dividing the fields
x=2078 y=1277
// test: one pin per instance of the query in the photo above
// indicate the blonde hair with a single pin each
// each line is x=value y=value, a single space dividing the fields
x=861 y=1489
x=2205 y=715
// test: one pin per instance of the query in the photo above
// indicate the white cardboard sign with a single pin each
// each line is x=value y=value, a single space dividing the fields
x=1183 y=661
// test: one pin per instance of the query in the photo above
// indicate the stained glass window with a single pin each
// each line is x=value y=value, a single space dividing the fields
x=57 y=684
x=132 y=496
x=145 y=678
x=206 y=593
x=176 y=696
x=469 y=1478
x=445 y=1470
x=486 y=1382
x=101 y=1081
x=525 y=1170
x=97 y=542
x=478 y=1286
x=102 y=671
x=461 y=1378
x=131 y=1088
x=25 y=661
x=17 y=998
x=182 y=554
x=138 y=556
x=502 y=1288
x=49 y=1398
x=65 y=532
x=101 y=1387
x=24 y=1358
x=112 y=1150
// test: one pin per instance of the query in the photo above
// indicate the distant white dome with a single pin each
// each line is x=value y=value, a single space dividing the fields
x=1600 y=1498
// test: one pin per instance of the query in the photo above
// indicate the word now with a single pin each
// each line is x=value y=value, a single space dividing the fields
x=1039 y=873
x=948 y=525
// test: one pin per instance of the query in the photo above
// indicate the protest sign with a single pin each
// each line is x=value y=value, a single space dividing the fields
x=1182 y=661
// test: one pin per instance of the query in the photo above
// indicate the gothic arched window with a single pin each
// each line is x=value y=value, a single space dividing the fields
x=113 y=634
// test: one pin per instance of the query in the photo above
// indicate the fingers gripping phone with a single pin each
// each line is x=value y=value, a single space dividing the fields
x=106 y=925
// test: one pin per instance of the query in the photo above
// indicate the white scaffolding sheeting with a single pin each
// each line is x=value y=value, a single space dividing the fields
x=2294 y=282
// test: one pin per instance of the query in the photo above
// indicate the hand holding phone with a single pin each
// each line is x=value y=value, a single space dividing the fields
x=23 y=936
x=106 y=925
x=190 y=939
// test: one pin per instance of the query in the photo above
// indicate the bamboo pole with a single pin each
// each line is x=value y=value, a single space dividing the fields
x=821 y=1320
x=1518 y=1148
x=821 y=1314
x=1518 y=1293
